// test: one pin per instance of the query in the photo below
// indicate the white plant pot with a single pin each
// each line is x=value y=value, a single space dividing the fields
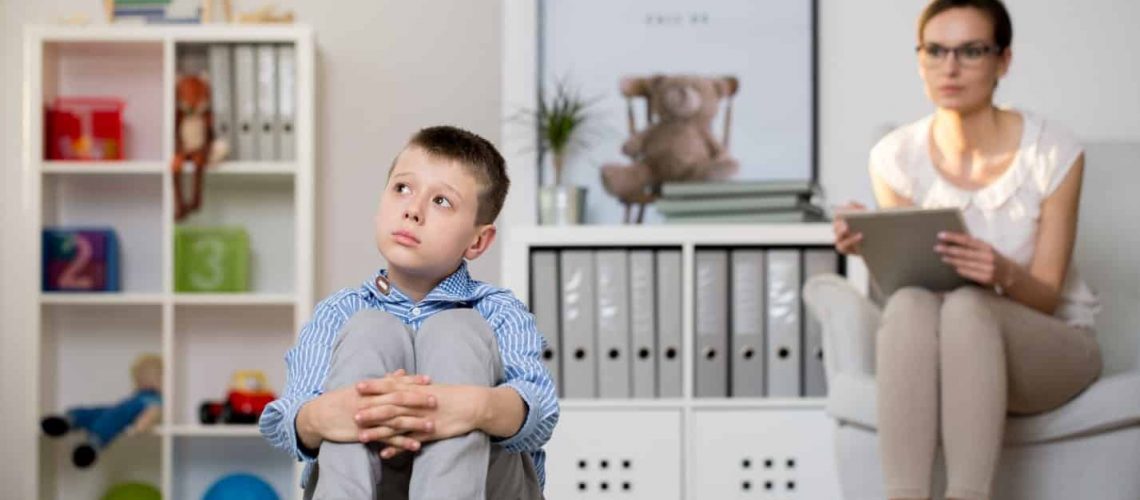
x=561 y=205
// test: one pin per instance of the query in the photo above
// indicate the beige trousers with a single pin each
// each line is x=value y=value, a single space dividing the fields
x=952 y=366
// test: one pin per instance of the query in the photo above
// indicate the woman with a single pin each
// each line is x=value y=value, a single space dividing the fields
x=951 y=366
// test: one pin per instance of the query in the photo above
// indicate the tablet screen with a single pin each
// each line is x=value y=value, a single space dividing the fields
x=898 y=247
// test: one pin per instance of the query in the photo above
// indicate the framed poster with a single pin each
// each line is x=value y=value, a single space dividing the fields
x=769 y=46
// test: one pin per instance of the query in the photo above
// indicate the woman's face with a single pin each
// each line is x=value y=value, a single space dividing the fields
x=958 y=60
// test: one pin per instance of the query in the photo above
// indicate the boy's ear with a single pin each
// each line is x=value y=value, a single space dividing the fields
x=483 y=239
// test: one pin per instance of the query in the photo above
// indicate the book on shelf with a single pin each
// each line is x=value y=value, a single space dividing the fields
x=804 y=213
x=682 y=206
x=736 y=188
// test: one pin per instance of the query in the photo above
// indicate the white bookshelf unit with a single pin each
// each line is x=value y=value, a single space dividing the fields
x=84 y=343
x=687 y=447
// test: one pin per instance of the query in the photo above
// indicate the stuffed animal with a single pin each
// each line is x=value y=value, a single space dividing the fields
x=193 y=140
x=677 y=144
x=135 y=414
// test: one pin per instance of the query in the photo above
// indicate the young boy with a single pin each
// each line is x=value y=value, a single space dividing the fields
x=422 y=360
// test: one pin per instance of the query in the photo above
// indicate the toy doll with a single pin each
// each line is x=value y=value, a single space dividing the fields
x=135 y=414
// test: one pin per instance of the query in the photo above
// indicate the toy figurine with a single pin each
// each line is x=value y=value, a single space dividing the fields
x=246 y=399
x=135 y=414
x=194 y=140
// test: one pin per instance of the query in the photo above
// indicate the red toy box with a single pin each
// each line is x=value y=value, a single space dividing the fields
x=84 y=128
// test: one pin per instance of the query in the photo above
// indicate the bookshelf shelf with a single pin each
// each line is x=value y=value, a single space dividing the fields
x=103 y=168
x=110 y=298
x=210 y=431
x=658 y=235
x=234 y=299
x=82 y=343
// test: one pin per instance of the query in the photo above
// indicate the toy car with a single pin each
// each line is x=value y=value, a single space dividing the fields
x=249 y=393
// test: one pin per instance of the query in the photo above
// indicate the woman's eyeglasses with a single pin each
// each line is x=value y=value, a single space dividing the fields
x=933 y=54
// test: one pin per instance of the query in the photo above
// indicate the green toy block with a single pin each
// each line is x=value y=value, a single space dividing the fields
x=211 y=259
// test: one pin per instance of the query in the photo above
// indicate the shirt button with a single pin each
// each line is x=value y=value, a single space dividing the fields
x=415 y=311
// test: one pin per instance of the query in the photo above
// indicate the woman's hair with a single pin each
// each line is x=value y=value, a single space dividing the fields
x=999 y=17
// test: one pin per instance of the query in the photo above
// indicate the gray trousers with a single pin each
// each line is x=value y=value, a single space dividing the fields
x=454 y=347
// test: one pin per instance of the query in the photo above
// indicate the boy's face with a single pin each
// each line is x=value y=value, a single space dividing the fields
x=426 y=220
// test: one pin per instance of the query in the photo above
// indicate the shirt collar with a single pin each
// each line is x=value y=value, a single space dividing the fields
x=457 y=287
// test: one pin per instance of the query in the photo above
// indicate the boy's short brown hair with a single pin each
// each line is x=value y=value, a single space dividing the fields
x=478 y=156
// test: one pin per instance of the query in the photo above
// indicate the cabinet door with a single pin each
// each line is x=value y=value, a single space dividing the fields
x=605 y=454
x=764 y=454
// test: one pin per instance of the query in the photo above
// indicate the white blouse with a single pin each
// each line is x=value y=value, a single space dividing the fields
x=1004 y=213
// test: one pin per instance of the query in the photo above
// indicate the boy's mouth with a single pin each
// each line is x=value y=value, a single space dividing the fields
x=405 y=238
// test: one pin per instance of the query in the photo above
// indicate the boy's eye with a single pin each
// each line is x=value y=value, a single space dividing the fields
x=402 y=188
x=441 y=201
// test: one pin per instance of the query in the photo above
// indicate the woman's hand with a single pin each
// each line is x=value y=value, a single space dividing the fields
x=974 y=259
x=846 y=242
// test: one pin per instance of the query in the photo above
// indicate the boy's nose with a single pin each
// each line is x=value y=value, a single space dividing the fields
x=412 y=214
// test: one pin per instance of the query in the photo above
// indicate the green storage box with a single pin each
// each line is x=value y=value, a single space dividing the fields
x=211 y=259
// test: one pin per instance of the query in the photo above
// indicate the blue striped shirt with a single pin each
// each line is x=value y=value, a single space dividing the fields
x=520 y=346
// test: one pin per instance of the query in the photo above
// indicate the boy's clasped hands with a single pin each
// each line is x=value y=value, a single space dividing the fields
x=400 y=410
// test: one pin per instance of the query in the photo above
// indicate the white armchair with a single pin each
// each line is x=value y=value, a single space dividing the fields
x=1087 y=449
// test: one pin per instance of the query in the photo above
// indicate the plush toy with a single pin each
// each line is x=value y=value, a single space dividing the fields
x=677 y=143
x=193 y=140
x=135 y=414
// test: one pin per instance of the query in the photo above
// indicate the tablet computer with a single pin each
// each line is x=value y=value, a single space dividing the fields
x=898 y=247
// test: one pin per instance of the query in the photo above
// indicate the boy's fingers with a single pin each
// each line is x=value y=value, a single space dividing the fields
x=387 y=385
x=407 y=399
x=403 y=442
x=377 y=415
x=413 y=379
x=408 y=423
x=381 y=433
x=374 y=386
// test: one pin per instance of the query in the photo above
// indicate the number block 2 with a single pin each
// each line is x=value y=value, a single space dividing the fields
x=211 y=259
x=80 y=260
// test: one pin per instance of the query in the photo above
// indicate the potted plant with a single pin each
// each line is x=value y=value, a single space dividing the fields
x=561 y=118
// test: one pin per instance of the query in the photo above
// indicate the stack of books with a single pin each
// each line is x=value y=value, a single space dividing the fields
x=738 y=202
x=152 y=11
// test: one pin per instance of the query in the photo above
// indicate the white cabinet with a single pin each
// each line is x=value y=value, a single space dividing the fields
x=603 y=453
x=763 y=454
x=687 y=447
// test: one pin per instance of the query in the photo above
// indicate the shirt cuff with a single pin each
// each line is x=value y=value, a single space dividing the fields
x=288 y=424
x=518 y=442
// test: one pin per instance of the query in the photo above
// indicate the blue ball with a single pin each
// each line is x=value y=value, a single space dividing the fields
x=240 y=487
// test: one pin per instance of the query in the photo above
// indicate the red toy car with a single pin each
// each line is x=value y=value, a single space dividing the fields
x=249 y=393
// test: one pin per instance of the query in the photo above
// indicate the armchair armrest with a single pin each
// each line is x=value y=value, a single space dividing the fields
x=848 y=320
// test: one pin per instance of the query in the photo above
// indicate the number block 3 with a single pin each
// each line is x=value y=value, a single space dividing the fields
x=211 y=259
x=80 y=260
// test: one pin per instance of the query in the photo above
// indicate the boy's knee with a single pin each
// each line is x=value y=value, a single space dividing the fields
x=368 y=328
x=458 y=347
x=370 y=344
x=454 y=328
